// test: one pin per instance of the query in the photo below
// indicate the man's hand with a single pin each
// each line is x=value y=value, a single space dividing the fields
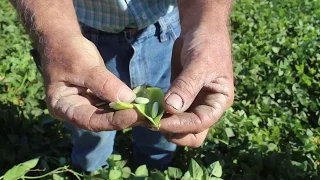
x=71 y=66
x=202 y=72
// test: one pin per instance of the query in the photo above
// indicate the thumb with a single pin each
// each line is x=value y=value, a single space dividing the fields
x=184 y=90
x=107 y=86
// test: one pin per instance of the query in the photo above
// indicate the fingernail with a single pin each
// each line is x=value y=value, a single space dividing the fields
x=126 y=95
x=175 y=101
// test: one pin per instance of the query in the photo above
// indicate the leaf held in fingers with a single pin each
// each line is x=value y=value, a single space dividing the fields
x=141 y=100
x=120 y=105
x=155 y=95
x=148 y=103
x=154 y=110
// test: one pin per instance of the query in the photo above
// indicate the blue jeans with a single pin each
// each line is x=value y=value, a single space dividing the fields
x=137 y=58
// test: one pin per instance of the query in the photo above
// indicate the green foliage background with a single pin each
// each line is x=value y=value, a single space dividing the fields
x=271 y=131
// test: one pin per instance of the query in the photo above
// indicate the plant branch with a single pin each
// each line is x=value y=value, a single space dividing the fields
x=37 y=169
x=47 y=174
x=56 y=171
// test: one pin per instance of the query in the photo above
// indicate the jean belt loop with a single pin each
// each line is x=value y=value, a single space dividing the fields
x=163 y=26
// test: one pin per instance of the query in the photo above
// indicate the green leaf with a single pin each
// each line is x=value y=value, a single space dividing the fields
x=121 y=105
x=153 y=110
x=187 y=176
x=195 y=170
x=174 y=172
x=114 y=174
x=141 y=100
x=229 y=132
x=215 y=169
x=154 y=95
x=272 y=146
x=126 y=172
x=31 y=163
x=309 y=133
x=16 y=172
x=20 y=170
x=157 y=175
x=306 y=79
x=57 y=177
x=115 y=157
x=121 y=164
x=276 y=49
x=142 y=171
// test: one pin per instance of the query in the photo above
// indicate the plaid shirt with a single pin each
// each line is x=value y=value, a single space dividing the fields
x=115 y=15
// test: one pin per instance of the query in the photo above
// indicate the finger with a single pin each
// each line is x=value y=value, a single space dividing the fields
x=190 y=140
x=223 y=90
x=184 y=89
x=56 y=91
x=78 y=111
x=107 y=86
x=64 y=103
x=191 y=122
x=208 y=109
x=187 y=122
x=94 y=100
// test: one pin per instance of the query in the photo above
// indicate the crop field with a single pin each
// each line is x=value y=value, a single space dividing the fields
x=272 y=131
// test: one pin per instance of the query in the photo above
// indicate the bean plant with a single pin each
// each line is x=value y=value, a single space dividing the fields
x=148 y=102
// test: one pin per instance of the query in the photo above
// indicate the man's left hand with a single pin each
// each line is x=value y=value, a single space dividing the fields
x=202 y=88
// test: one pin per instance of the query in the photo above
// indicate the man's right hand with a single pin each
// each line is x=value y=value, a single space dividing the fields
x=71 y=67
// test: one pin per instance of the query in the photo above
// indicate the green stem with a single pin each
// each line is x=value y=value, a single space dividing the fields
x=44 y=175
x=56 y=171
x=75 y=174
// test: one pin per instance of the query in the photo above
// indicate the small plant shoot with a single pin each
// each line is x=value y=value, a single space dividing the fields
x=148 y=102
